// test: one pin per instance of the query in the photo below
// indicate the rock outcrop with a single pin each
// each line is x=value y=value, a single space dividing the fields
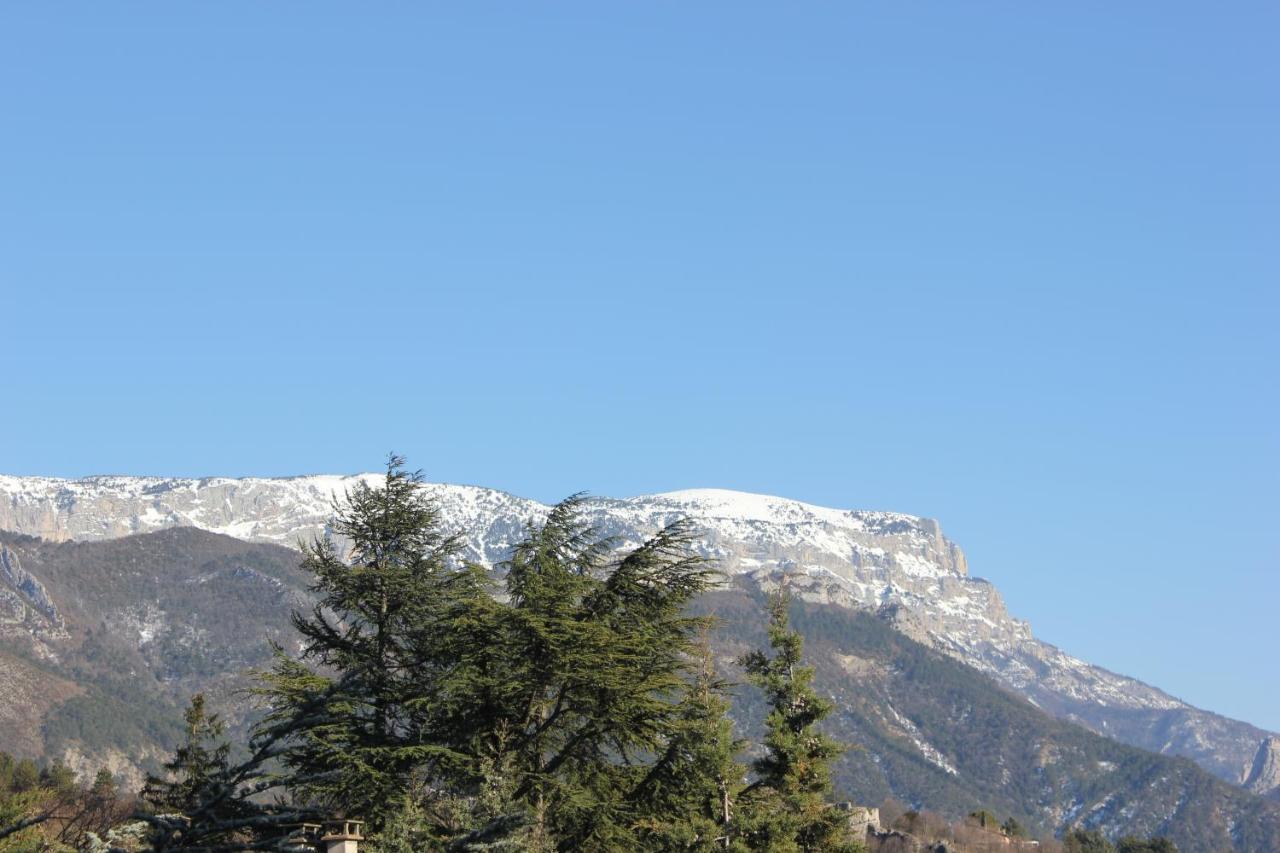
x=25 y=604
x=1262 y=776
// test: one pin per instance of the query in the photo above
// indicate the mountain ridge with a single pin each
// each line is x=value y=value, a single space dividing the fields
x=894 y=563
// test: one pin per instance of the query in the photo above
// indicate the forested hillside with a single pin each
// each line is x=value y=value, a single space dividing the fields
x=127 y=630
x=937 y=734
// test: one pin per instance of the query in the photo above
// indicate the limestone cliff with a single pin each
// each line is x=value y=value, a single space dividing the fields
x=1263 y=774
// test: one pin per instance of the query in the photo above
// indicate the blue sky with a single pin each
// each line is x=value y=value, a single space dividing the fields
x=1013 y=266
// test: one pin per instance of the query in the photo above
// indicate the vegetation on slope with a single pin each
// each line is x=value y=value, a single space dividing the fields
x=930 y=730
x=146 y=621
x=46 y=810
x=937 y=734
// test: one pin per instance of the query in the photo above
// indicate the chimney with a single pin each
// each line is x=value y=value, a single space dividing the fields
x=343 y=837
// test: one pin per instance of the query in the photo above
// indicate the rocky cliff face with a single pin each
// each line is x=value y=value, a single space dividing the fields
x=898 y=565
x=26 y=608
x=1262 y=776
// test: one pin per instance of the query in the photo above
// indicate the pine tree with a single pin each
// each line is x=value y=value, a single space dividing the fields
x=212 y=805
x=1132 y=844
x=687 y=801
x=571 y=689
x=104 y=785
x=1013 y=829
x=580 y=679
x=196 y=764
x=25 y=775
x=21 y=813
x=1086 y=841
x=786 y=807
x=59 y=777
x=383 y=625
x=406 y=830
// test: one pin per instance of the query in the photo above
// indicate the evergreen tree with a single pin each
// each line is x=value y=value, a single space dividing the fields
x=582 y=678
x=104 y=785
x=196 y=764
x=25 y=775
x=21 y=817
x=406 y=830
x=1086 y=841
x=212 y=805
x=688 y=798
x=59 y=777
x=786 y=807
x=382 y=623
x=1013 y=829
x=1132 y=844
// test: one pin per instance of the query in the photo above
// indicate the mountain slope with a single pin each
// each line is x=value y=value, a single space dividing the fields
x=31 y=693
x=937 y=734
x=116 y=634
x=113 y=638
x=897 y=563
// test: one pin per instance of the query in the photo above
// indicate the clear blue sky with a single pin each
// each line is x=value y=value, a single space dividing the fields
x=1010 y=265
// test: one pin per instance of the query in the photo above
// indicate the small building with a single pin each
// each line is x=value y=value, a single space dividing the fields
x=862 y=819
x=343 y=837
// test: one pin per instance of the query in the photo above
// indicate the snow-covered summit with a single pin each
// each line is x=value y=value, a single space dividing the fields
x=747 y=506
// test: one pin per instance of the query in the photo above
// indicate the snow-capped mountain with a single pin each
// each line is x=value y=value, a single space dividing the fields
x=899 y=565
